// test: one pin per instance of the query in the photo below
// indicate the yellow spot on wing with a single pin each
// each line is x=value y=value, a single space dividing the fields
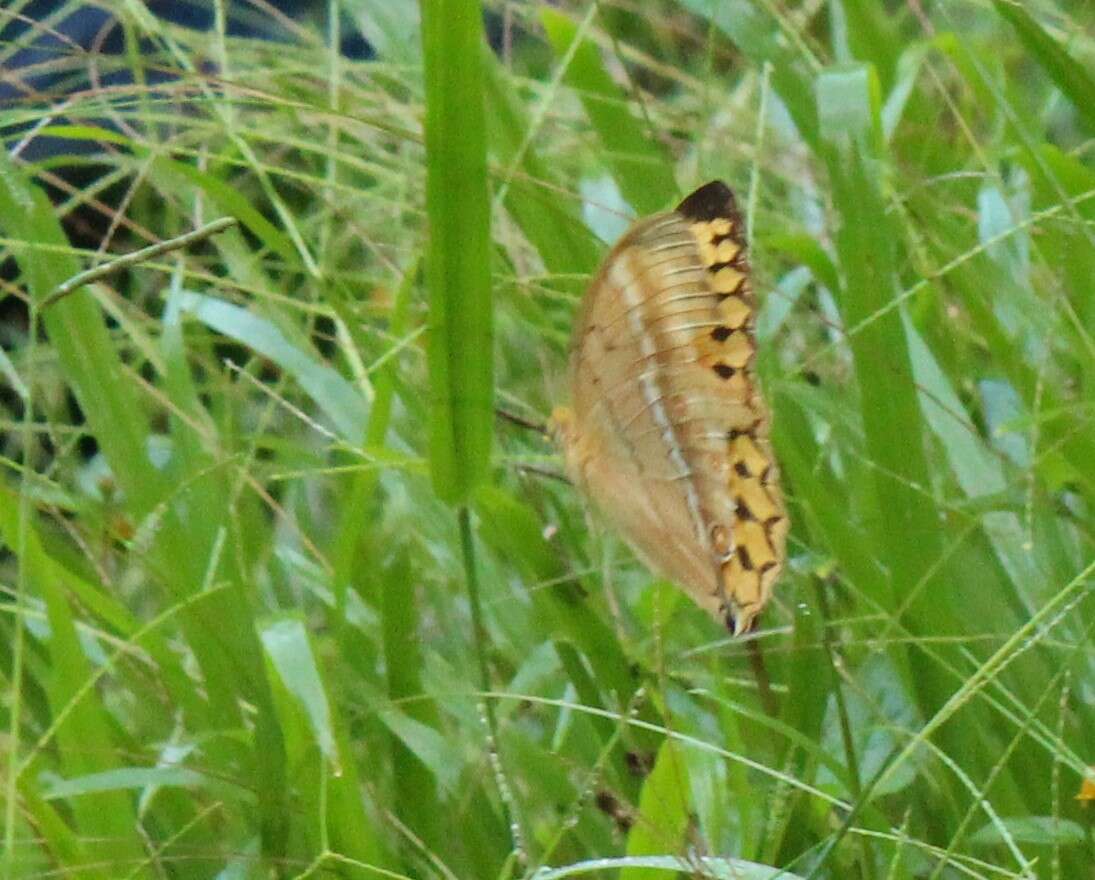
x=735 y=312
x=755 y=498
x=726 y=251
x=743 y=449
x=727 y=279
x=737 y=350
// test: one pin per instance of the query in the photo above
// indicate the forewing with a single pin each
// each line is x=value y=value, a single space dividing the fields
x=669 y=434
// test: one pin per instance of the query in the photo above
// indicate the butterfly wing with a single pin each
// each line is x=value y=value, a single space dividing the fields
x=668 y=434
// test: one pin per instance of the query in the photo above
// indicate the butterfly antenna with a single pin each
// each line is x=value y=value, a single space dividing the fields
x=543 y=472
x=539 y=427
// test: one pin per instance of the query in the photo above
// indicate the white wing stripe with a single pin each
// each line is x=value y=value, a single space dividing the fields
x=624 y=277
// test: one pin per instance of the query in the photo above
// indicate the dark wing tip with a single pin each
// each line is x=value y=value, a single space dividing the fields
x=709 y=202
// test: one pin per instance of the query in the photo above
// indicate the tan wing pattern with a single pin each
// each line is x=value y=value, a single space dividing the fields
x=667 y=433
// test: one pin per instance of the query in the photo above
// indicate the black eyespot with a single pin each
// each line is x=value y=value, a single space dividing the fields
x=721 y=334
x=723 y=371
x=741 y=469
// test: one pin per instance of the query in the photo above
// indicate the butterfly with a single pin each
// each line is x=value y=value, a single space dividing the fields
x=667 y=433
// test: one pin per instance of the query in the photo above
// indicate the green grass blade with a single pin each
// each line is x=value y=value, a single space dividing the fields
x=763 y=39
x=458 y=257
x=332 y=394
x=556 y=231
x=61 y=847
x=358 y=503
x=77 y=331
x=333 y=787
x=663 y=812
x=173 y=175
x=417 y=802
x=84 y=738
x=1072 y=78
x=892 y=420
x=184 y=547
x=639 y=165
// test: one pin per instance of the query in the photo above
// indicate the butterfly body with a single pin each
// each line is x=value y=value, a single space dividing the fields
x=667 y=432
